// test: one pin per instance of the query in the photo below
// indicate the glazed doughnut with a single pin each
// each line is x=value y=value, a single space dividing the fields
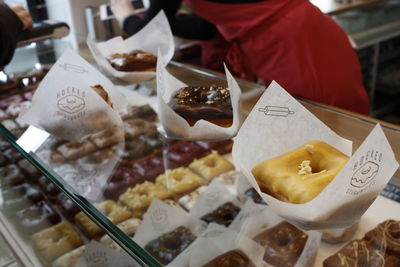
x=386 y=236
x=180 y=181
x=300 y=175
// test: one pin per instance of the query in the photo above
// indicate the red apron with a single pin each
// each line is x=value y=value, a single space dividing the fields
x=291 y=42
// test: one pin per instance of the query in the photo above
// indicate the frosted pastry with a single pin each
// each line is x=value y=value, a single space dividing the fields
x=211 y=166
x=224 y=214
x=300 y=175
x=55 y=241
x=136 y=60
x=70 y=258
x=169 y=245
x=140 y=197
x=283 y=244
x=109 y=208
x=229 y=259
x=189 y=200
x=386 y=236
x=211 y=103
x=180 y=181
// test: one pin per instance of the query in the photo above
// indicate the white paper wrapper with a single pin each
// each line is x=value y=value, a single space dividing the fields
x=155 y=35
x=254 y=219
x=176 y=127
x=162 y=218
x=66 y=106
x=217 y=240
x=216 y=195
x=277 y=124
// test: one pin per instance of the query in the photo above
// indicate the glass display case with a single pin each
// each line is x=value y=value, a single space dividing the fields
x=57 y=196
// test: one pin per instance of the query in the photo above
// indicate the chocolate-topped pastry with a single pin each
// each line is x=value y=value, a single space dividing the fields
x=142 y=112
x=102 y=93
x=386 y=236
x=283 y=244
x=224 y=214
x=212 y=104
x=182 y=154
x=36 y=217
x=20 y=196
x=252 y=193
x=68 y=207
x=361 y=253
x=122 y=179
x=222 y=147
x=171 y=244
x=150 y=168
x=137 y=60
x=48 y=188
x=11 y=176
x=233 y=258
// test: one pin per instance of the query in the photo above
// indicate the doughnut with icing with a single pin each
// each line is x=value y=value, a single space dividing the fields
x=283 y=244
x=114 y=212
x=211 y=166
x=300 y=175
x=231 y=258
x=180 y=181
x=211 y=103
x=386 y=236
x=136 y=60
x=55 y=241
x=166 y=247
x=223 y=215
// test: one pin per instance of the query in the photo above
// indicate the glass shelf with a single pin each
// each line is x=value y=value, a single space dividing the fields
x=67 y=167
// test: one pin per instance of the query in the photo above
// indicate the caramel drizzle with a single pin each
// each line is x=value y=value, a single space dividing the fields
x=350 y=262
x=386 y=236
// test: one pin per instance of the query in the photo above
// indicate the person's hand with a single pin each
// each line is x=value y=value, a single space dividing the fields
x=23 y=15
x=122 y=9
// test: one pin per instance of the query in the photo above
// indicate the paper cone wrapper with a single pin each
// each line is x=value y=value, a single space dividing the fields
x=155 y=35
x=278 y=124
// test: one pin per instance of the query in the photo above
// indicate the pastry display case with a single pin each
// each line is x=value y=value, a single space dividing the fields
x=65 y=203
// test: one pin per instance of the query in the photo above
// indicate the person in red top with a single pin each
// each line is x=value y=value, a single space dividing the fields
x=289 y=41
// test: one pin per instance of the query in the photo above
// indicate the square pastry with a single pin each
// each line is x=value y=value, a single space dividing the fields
x=55 y=241
x=211 y=166
x=180 y=181
x=114 y=212
x=139 y=198
x=74 y=150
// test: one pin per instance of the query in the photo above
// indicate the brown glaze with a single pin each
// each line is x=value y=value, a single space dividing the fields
x=137 y=60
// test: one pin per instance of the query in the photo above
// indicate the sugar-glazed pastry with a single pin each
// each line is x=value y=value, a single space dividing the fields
x=166 y=247
x=55 y=241
x=188 y=201
x=74 y=150
x=283 y=244
x=129 y=227
x=300 y=175
x=180 y=181
x=231 y=258
x=140 y=197
x=211 y=166
x=70 y=258
x=114 y=212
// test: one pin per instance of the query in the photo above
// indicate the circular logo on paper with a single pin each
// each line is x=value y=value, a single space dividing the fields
x=159 y=219
x=364 y=174
x=96 y=258
x=211 y=196
x=71 y=103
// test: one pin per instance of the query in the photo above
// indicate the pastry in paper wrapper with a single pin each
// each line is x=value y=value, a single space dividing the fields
x=278 y=124
x=175 y=126
x=155 y=35
x=66 y=105
x=166 y=231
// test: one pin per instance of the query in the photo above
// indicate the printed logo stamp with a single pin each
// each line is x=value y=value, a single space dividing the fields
x=159 y=219
x=276 y=111
x=71 y=103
